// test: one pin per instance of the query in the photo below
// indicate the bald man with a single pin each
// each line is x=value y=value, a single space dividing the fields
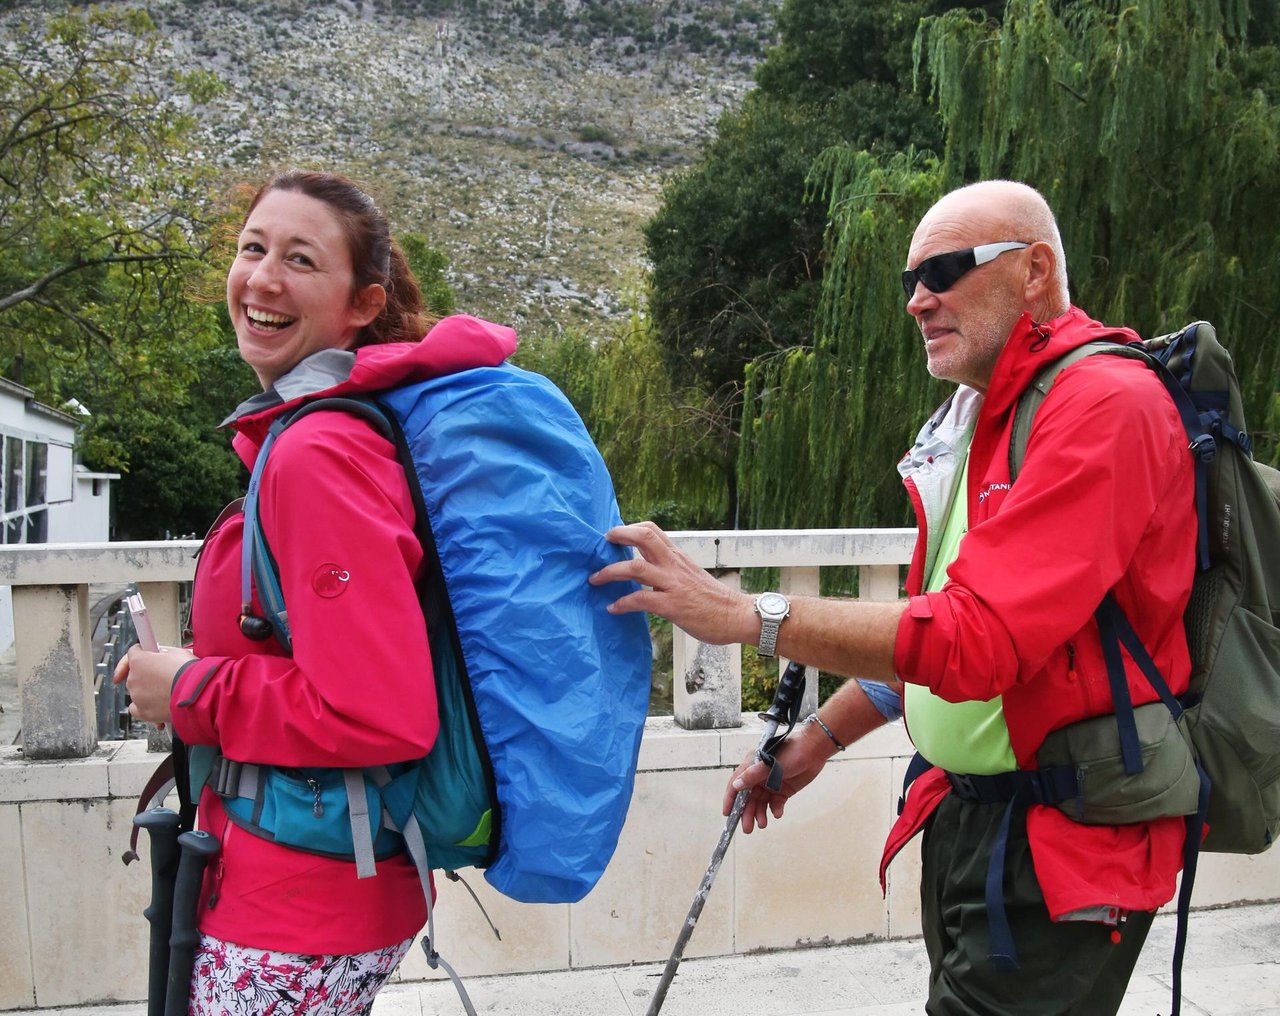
x=996 y=645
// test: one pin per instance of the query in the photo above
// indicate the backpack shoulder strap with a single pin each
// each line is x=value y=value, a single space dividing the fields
x=1201 y=443
x=257 y=566
x=1029 y=401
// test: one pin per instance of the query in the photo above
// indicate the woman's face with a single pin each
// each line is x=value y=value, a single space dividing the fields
x=290 y=290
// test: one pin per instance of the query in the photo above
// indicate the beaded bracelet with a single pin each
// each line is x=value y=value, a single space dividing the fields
x=815 y=718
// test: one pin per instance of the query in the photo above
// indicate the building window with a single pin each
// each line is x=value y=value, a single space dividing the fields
x=12 y=474
x=37 y=472
x=25 y=477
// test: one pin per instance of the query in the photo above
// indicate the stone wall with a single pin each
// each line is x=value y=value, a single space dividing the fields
x=72 y=931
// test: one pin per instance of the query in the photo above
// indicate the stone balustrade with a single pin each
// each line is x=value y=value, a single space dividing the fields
x=51 y=616
x=71 y=926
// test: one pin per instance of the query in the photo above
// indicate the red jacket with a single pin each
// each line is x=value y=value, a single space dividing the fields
x=1104 y=501
x=337 y=513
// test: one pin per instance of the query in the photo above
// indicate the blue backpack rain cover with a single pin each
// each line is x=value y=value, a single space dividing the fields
x=542 y=692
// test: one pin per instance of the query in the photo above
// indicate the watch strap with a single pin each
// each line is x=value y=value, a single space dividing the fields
x=768 y=637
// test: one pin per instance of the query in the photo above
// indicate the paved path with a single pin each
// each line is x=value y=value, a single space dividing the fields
x=1232 y=969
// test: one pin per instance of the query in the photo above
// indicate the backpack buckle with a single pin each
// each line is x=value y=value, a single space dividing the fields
x=225 y=780
x=1204 y=448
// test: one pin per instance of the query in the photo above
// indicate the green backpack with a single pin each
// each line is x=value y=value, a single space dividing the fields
x=1231 y=713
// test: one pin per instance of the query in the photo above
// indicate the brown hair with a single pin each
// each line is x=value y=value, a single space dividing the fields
x=375 y=256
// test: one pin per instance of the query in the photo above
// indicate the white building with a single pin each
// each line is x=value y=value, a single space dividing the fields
x=45 y=496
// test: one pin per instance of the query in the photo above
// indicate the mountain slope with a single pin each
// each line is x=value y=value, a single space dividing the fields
x=528 y=141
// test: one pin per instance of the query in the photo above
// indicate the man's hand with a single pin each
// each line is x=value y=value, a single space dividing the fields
x=801 y=756
x=679 y=590
x=850 y=714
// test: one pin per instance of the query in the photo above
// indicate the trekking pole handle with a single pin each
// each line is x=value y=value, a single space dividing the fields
x=783 y=712
x=197 y=848
x=161 y=825
x=786 y=698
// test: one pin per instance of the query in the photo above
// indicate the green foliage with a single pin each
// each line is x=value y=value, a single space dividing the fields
x=430 y=267
x=734 y=250
x=1153 y=129
x=737 y=250
x=826 y=422
x=827 y=49
x=593 y=134
x=99 y=227
x=663 y=450
x=760 y=682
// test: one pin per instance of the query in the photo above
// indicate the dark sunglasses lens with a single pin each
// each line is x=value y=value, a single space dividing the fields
x=938 y=273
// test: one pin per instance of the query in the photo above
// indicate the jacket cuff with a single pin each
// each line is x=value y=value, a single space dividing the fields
x=910 y=647
x=190 y=722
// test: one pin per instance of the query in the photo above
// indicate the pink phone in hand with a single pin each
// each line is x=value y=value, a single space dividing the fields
x=141 y=622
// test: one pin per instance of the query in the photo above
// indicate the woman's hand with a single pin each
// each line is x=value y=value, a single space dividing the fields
x=149 y=679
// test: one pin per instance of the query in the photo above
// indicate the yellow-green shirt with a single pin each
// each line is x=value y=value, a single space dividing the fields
x=961 y=737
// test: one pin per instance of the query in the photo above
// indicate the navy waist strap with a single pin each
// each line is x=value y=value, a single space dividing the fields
x=1027 y=786
x=1014 y=790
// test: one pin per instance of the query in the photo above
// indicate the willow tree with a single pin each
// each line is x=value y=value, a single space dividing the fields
x=828 y=422
x=1152 y=129
x=666 y=448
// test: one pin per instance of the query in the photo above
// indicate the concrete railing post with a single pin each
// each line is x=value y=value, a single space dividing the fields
x=707 y=685
x=878 y=582
x=55 y=671
x=161 y=599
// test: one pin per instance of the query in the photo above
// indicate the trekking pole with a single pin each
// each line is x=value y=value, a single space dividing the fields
x=197 y=848
x=161 y=825
x=785 y=708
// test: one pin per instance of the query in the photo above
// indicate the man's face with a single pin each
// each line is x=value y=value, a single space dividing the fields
x=966 y=326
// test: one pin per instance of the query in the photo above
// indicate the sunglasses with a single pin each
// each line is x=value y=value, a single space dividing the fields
x=942 y=271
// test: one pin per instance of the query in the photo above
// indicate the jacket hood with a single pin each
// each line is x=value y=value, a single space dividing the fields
x=453 y=344
x=1033 y=345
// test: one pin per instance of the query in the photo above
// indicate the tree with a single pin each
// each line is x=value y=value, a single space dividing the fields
x=651 y=435
x=1154 y=131
x=101 y=226
x=98 y=218
x=1161 y=190
x=429 y=266
x=825 y=423
x=736 y=247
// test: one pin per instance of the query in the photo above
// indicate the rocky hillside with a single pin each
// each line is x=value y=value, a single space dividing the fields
x=527 y=139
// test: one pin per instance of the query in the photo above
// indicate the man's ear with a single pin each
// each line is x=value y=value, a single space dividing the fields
x=1041 y=267
x=367 y=304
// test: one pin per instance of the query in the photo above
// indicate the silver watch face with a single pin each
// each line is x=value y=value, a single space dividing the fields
x=772 y=605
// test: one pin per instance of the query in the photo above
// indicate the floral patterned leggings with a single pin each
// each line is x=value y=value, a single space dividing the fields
x=235 y=980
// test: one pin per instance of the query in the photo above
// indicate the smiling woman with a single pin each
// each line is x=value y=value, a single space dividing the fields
x=323 y=303
x=291 y=290
x=313 y=269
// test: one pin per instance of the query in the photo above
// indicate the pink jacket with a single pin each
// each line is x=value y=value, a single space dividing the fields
x=1104 y=502
x=337 y=513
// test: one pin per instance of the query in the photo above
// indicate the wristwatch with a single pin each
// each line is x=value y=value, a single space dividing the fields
x=773 y=609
